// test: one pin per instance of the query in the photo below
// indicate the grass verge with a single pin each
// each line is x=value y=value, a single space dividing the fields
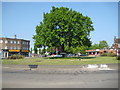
x=61 y=61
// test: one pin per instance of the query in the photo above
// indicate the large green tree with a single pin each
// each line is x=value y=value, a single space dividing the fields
x=63 y=27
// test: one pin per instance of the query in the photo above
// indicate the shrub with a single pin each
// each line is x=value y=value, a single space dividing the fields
x=118 y=57
x=108 y=54
x=111 y=54
x=103 y=54
x=16 y=57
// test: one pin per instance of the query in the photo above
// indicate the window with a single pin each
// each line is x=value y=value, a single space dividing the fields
x=23 y=48
x=6 y=47
x=27 y=43
x=18 y=48
x=1 y=41
x=6 y=41
x=18 y=42
x=14 y=42
x=28 y=48
x=11 y=47
x=14 y=47
x=11 y=42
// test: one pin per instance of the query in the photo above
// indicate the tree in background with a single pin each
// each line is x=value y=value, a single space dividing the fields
x=30 y=50
x=35 y=50
x=103 y=44
x=95 y=46
x=65 y=28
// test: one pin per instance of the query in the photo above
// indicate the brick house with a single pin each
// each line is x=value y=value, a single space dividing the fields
x=116 y=45
x=98 y=52
x=114 y=49
x=11 y=46
x=94 y=52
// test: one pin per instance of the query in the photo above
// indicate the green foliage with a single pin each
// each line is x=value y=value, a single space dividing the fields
x=76 y=49
x=63 y=27
x=82 y=49
x=40 y=51
x=16 y=57
x=103 y=44
x=118 y=57
x=108 y=54
x=48 y=49
x=35 y=49
x=69 y=49
x=95 y=46
x=30 y=50
x=43 y=51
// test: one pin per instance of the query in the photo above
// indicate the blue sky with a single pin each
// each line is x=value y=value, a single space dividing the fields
x=21 y=18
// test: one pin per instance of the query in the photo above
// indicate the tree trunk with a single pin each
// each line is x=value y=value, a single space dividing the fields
x=44 y=50
x=62 y=48
x=62 y=51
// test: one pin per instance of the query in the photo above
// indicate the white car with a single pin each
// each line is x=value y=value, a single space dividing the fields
x=70 y=55
x=56 y=55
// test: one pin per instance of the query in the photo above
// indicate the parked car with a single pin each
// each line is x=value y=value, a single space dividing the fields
x=70 y=55
x=83 y=55
x=44 y=56
x=56 y=55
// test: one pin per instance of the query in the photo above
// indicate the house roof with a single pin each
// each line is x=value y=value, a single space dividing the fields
x=2 y=38
x=91 y=50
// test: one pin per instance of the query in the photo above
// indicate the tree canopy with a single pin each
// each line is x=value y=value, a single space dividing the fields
x=63 y=27
x=102 y=44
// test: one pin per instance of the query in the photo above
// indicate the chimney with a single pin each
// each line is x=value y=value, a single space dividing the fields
x=114 y=38
x=15 y=36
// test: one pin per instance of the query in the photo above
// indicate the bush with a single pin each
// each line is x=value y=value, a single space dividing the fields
x=111 y=54
x=118 y=57
x=103 y=54
x=108 y=54
x=16 y=57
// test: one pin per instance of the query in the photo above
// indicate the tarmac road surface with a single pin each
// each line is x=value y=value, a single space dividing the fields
x=59 y=77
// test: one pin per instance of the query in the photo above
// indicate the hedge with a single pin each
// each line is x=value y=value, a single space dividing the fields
x=16 y=57
x=108 y=54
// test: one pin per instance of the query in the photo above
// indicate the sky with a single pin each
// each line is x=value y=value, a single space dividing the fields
x=21 y=18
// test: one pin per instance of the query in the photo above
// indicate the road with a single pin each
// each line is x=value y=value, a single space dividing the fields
x=59 y=77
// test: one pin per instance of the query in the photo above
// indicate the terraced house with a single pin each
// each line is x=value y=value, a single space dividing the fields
x=11 y=46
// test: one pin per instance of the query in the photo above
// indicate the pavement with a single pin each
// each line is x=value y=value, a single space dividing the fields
x=60 y=76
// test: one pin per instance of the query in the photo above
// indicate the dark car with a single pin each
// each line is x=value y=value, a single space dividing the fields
x=83 y=55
